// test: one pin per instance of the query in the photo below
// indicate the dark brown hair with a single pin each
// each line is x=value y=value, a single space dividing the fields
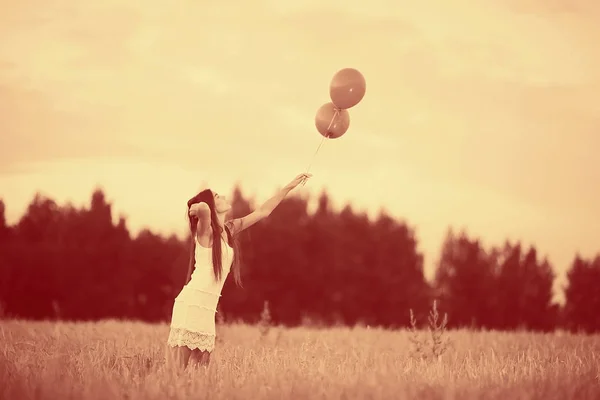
x=207 y=196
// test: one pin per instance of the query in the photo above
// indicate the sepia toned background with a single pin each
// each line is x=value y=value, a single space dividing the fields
x=479 y=115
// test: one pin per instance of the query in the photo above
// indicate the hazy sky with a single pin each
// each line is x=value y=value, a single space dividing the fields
x=482 y=115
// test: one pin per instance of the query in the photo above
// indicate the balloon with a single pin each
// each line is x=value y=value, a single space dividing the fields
x=347 y=88
x=332 y=122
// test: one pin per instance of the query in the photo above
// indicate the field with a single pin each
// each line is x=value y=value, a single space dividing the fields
x=125 y=360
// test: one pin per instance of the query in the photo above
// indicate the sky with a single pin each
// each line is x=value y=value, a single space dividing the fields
x=482 y=116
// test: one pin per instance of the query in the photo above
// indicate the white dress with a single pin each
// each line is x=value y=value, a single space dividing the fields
x=193 y=318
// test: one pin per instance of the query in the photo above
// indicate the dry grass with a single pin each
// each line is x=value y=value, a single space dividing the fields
x=110 y=359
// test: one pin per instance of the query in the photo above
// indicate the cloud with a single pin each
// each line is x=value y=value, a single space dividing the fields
x=177 y=85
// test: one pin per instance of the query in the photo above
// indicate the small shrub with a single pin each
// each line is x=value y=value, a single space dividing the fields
x=438 y=343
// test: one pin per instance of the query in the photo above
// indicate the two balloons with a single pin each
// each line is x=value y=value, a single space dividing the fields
x=347 y=89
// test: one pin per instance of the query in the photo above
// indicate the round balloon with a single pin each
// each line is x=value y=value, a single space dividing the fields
x=347 y=88
x=332 y=122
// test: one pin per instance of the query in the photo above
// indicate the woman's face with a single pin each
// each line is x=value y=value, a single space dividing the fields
x=221 y=204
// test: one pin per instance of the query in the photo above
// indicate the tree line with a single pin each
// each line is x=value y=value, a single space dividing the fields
x=324 y=267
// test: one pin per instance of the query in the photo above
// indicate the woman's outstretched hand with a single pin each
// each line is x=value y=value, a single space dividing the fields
x=299 y=180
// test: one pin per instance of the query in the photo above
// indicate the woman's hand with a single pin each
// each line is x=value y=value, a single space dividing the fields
x=199 y=210
x=299 y=180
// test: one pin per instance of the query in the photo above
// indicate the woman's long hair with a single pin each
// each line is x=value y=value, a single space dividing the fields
x=207 y=196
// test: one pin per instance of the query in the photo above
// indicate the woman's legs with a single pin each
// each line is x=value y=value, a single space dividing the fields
x=199 y=358
x=178 y=356
x=202 y=357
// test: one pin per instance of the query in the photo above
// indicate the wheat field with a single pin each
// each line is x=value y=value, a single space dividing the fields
x=126 y=360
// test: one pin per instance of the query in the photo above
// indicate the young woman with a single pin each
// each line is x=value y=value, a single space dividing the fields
x=192 y=335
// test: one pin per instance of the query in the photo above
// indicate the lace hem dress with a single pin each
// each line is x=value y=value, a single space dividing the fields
x=192 y=340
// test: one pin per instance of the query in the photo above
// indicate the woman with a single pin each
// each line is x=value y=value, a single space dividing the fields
x=192 y=335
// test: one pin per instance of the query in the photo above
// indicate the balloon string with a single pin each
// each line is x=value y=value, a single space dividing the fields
x=314 y=155
x=323 y=140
